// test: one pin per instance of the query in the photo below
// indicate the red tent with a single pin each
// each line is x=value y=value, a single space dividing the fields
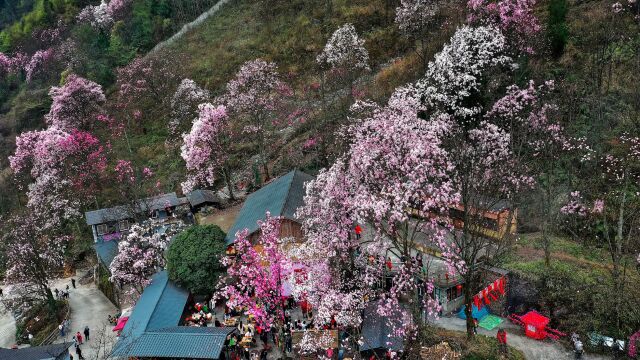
x=535 y=324
x=121 y=323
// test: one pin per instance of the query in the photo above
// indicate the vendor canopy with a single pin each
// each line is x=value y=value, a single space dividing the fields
x=535 y=318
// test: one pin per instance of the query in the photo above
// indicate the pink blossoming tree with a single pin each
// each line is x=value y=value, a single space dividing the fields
x=491 y=147
x=515 y=18
x=184 y=107
x=206 y=149
x=33 y=256
x=141 y=254
x=257 y=273
x=256 y=98
x=76 y=104
x=395 y=162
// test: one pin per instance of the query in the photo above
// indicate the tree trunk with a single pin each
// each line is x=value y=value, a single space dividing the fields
x=468 y=309
x=227 y=180
x=51 y=303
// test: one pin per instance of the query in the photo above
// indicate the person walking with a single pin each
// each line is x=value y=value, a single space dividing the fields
x=475 y=326
x=61 y=328
x=86 y=333
x=73 y=282
x=502 y=341
x=79 y=337
x=57 y=293
x=79 y=352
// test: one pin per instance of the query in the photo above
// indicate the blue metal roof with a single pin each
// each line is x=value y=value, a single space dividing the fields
x=106 y=250
x=281 y=197
x=160 y=305
x=152 y=329
x=180 y=342
x=376 y=331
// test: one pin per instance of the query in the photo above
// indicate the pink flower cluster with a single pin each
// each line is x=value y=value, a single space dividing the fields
x=204 y=147
x=515 y=18
x=75 y=104
x=259 y=276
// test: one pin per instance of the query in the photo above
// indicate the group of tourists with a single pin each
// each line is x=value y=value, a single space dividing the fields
x=78 y=340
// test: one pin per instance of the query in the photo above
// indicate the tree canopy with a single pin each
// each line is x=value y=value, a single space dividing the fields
x=194 y=258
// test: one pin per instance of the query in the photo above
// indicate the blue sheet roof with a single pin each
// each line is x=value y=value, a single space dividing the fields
x=160 y=305
x=376 y=331
x=180 y=342
x=147 y=315
x=281 y=197
x=106 y=251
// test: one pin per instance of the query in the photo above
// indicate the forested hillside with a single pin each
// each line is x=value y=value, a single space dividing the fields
x=89 y=118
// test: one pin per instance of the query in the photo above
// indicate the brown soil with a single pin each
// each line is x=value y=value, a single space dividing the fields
x=223 y=218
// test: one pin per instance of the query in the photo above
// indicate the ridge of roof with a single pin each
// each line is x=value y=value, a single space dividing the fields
x=288 y=193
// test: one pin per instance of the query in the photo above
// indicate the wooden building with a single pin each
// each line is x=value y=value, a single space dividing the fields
x=281 y=198
x=495 y=218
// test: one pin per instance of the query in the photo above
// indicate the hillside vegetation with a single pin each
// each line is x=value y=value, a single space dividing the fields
x=577 y=73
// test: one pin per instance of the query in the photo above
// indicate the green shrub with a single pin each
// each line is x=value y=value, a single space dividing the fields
x=194 y=258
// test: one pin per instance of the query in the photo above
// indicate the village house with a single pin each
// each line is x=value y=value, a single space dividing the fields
x=111 y=223
x=155 y=328
x=202 y=199
x=281 y=198
x=46 y=352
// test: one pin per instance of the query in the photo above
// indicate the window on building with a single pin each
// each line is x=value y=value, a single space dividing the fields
x=454 y=292
x=123 y=225
x=101 y=229
x=491 y=224
x=456 y=214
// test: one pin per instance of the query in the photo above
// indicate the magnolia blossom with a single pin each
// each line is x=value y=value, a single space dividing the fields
x=102 y=16
x=97 y=16
x=33 y=254
x=258 y=276
x=345 y=50
x=204 y=147
x=141 y=253
x=515 y=18
x=413 y=16
x=75 y=104
x=457 y=71
x=395 y=162
x=13 y=64
x=39 y=59
x=183 y=105
x=62 y=165
x=256 y=97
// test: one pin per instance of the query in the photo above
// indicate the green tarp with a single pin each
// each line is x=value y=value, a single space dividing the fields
x=489 y=322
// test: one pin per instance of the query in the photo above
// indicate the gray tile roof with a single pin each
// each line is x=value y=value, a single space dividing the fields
x=122 y=212
x=376 y=331
x=34 y=353
x=106 y=251
x=281 y=197
x=198 y=197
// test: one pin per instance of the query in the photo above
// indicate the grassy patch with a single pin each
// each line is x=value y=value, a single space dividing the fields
x=479 y=348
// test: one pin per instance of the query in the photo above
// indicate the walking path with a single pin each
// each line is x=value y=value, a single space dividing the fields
x=89 y=307
x=186 y=27
x=532 y=349
x=7 y=328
